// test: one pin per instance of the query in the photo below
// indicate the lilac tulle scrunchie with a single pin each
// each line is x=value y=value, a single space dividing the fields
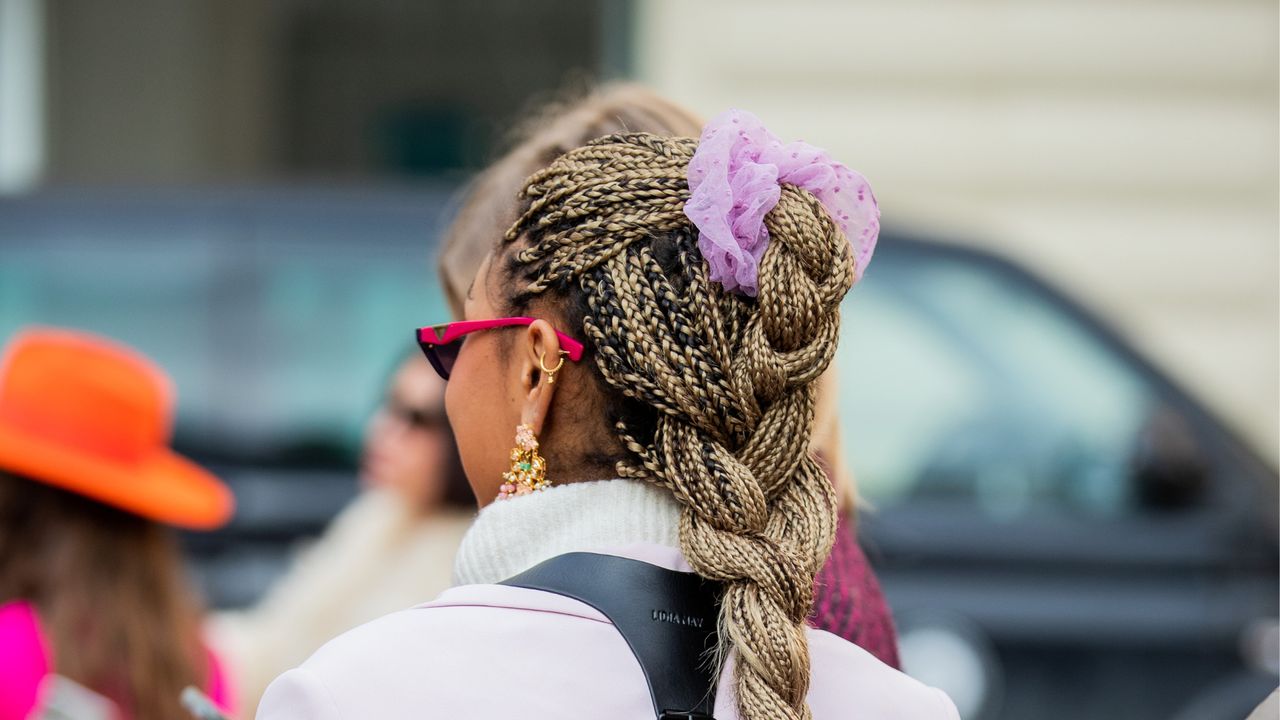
x=735 y=179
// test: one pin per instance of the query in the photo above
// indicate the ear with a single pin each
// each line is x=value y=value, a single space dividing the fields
x=539 y=349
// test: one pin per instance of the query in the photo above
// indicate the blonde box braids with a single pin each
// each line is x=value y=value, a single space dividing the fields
x=728 y=379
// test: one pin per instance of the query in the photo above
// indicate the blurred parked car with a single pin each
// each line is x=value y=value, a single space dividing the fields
x=1062 y=531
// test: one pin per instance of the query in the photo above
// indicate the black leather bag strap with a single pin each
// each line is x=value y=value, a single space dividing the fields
x=668 y=619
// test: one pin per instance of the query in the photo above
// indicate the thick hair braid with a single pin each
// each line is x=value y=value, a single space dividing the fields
x=726 y=381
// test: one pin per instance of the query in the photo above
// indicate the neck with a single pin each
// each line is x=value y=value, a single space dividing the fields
x=510 y=536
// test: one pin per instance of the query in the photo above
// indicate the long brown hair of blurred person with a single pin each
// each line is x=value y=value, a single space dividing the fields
x=488 y=207
x=110 y=593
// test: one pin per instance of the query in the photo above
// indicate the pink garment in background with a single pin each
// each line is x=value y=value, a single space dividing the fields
x=23 y=660
x=848 y=601
x=24 y=663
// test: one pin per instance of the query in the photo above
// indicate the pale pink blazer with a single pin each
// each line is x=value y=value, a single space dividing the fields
x=491 y=651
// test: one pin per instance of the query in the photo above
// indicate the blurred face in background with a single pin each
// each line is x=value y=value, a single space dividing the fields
x=405 y=443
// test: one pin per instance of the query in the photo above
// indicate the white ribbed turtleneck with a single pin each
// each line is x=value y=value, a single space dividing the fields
x=511 y=536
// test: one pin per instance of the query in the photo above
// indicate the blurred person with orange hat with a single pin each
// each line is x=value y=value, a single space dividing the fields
x=849 y=601
x=91 y=581
x=390 y=548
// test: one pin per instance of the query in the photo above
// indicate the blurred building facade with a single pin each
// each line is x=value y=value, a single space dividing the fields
x=233 y=91
x=1127 y=151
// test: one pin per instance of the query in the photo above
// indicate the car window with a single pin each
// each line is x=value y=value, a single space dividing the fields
x=279 y=331
x=157 y=297
x=960 y=381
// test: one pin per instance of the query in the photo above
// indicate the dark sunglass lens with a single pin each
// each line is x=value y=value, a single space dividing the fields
x=442 y=357
x=448 y=355
x=432 y=352
x=421 y=419
x=416 y=418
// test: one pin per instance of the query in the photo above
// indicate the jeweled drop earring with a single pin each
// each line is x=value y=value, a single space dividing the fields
x=528 y=469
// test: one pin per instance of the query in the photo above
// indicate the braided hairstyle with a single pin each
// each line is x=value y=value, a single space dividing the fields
x=711 y=392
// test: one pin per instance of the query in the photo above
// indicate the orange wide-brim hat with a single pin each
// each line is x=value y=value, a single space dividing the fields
x=94 y=417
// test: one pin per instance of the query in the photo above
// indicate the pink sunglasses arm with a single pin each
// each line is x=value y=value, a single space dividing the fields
x=572 y=348
x=452 y=331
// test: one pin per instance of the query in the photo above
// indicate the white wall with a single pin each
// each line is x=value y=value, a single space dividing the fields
x=1126 y=150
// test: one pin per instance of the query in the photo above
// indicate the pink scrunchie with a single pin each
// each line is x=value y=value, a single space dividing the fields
x=734 y=181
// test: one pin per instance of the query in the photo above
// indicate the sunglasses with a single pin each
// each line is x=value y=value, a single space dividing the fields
x=416 y=418
x=441 y=343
